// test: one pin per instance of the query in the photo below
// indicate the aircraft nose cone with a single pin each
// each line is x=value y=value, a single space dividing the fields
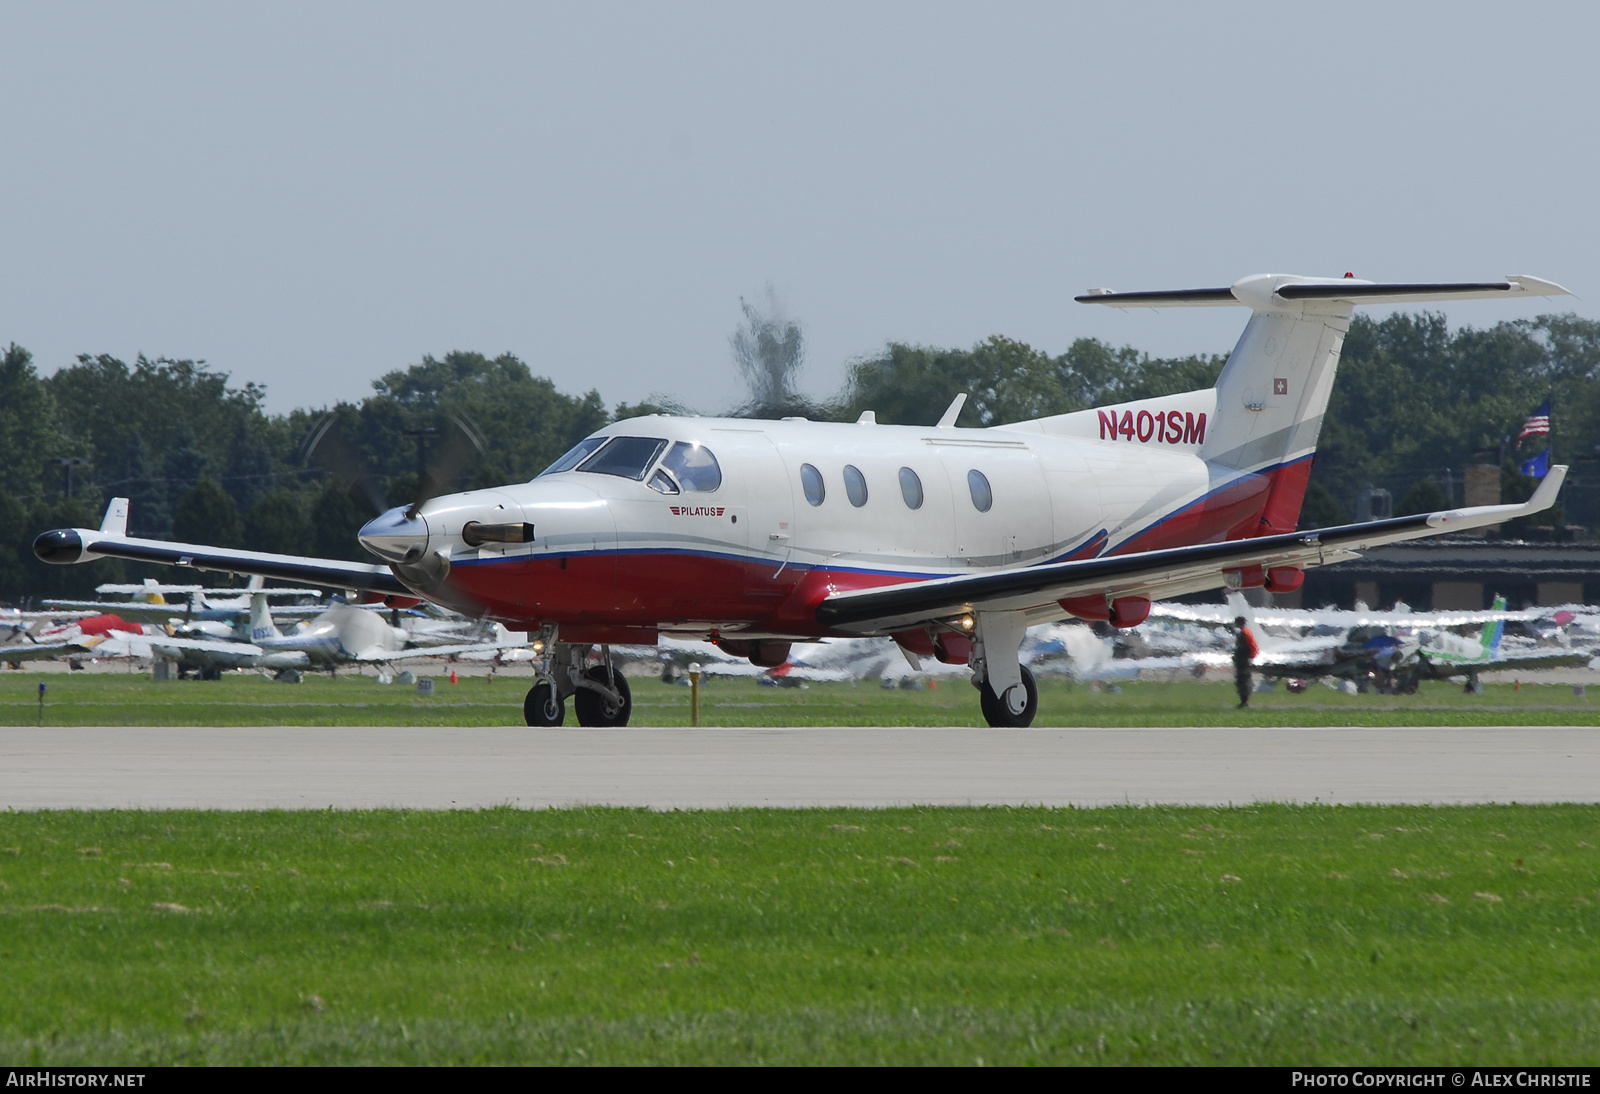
x=394 y=536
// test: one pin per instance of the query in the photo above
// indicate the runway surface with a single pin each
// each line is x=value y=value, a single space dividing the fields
x=306 y=767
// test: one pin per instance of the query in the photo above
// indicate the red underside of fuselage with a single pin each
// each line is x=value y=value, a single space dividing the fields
x=647 y=589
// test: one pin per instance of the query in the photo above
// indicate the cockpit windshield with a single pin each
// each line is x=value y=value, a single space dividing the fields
x=575 y=455
x=688 y=466
x=625 y=457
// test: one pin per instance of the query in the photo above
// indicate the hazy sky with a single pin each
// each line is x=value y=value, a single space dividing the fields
x=308 y=196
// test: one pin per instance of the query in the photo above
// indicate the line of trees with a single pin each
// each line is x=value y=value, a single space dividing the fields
x=200 y=460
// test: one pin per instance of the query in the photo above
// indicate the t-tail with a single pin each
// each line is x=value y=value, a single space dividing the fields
x=1272 y=394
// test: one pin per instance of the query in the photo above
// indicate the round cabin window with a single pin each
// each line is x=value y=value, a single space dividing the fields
x=910 y=488
x=855 y=485
x=982 y=496
x=811 y=482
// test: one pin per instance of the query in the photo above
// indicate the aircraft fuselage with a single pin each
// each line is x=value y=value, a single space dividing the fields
x=614 y=558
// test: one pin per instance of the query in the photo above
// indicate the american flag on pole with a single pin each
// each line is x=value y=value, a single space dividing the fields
x=1538 y=423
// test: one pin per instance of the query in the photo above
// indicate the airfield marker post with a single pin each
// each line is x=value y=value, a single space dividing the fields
x=694 y=693
x=41 y=702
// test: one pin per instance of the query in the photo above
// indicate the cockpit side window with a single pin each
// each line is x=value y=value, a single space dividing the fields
x=575 y=455
x=694 y=467
x=625 y=457
x=662 y=483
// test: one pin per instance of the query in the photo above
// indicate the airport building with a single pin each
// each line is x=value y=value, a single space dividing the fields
x=1457 y=572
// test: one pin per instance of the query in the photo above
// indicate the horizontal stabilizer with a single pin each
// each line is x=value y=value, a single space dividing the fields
x=1270 y=292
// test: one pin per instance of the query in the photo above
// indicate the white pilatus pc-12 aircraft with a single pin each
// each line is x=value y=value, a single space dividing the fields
x=756 y=534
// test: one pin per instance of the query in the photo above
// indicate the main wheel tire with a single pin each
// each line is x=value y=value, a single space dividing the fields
x=543 y=707
x=594 y=709
x=997 y=714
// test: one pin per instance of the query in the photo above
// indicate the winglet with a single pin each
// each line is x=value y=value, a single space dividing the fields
x=949 y=419
x=1482 y=515
x=116 y=518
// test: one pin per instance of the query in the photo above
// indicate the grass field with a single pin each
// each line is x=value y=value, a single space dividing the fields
x=239 y=699
x=1251 y=935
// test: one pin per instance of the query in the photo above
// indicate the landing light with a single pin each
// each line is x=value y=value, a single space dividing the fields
x=966 y=623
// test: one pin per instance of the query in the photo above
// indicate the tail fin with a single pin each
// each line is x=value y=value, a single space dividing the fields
x=1239 y=606
x=261 y=624
x=1493 y=630
x=115 y=522
x=154 y=594
x=1273 y=392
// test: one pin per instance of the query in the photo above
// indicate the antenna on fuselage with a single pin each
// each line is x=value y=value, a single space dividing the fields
x=949 y=419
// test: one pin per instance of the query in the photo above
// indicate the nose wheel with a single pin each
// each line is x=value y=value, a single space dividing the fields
x=543 y=707
x=1016 y=708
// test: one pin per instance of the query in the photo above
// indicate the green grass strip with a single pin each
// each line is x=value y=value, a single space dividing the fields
x=247 y=699
x=1266 y=934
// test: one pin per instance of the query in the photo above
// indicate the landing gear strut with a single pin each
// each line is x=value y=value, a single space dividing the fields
x=600 y=693
x=1006 y=689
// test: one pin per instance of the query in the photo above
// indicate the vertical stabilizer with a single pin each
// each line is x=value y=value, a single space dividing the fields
x=1271 y=399
x=1239 y=606
x=1493 y=631
x=115 y=522
x=261 y=624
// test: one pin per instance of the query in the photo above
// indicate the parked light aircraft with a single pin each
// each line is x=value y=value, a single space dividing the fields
x=1389 y=649
x=208 y=613
x=36 y=636
x=348 y=635
x=758 y=534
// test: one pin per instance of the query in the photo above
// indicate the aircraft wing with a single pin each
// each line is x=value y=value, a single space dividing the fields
x=1148 y=574
x=438 y=651
x=154 y=588
x=43 y=651
x=202 y=650
x=1516 y=659
x=75 y=544
x=1215 y=616
x=127 y=609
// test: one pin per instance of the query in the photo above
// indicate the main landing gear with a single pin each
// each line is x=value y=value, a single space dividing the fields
x=600 y=694
x=1006 y=689
x=1016 y=708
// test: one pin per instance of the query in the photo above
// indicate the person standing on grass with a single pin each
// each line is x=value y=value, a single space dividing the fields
x=1245 y=650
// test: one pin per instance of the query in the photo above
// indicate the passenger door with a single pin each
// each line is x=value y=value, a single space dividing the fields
x=766 y=505
x=1017 y=528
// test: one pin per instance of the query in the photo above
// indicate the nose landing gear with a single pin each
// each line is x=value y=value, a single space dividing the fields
x=600 y=693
